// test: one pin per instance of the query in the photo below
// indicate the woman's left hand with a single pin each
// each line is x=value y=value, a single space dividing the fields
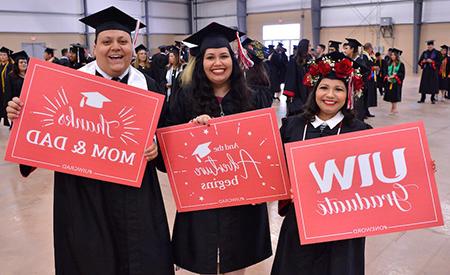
x=201 y=120
x=151 y=152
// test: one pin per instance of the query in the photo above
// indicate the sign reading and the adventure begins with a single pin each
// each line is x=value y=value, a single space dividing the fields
x=236 y=160
x=82 y=124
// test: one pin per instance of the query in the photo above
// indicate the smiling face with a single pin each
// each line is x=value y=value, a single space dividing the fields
x=142 y=55
x=218 y=65
x=330 y=97
x=22 y=65
x=113 y=51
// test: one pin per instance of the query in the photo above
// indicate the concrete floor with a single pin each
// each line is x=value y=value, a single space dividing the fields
x=26 y=243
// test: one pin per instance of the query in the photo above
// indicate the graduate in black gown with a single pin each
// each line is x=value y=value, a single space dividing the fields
x=333 y=46
x=351 y=50
x=159 y=63
x=77 y=57
x=5 y=69
x=444 y=72
x=381 y=72
x=430 y=62
x=370 y=89
x=229 y=239
x=294 y=89
x=143 y=64
x=320 y=119
x=393 y=81
x=103 y=228
x=49 y=55
x=14 y=80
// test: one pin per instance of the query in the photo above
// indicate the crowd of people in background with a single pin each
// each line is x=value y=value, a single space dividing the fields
x=273 y=72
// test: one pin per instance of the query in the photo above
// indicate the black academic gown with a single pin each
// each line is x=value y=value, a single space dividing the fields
x=393 y=91
x=240 y=234
x=13 y=86
x=159 y=63
x=444 y=72
x=381 y=74
x=4 y=72
x=370 y=89
x=275 y=63
x=110 y=229
x=294 y=89
x=344 y=257
x=429 y=82
x=360 y=103
x=151 y=73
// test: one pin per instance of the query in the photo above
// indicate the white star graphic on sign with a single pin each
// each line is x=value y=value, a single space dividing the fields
x=201 y=198
x=269 y=157
x=185 y=183
x=185 y=144
x=263 y=184
x=249 y=133
x=205 y=131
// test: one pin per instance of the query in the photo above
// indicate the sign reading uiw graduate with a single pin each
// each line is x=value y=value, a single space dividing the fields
x=363 y=183
x=236 y=160
x=81 y=124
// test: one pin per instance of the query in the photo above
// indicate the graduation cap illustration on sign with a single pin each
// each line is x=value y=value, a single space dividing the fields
x=202 y=151
x=93 y=99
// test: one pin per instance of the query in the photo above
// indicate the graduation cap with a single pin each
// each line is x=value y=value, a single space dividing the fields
x=334 y=44
x=430 y=42
x=390 y=49
x=202 y=151
x=174 y=49
x=93 y=99
x=322 y=46
x=19 y=55
x=111 y=19
x=77 y=49
x=140 y=48
x=50 y=50
x=6 y=50
x=353 y=43
x=444 y=47
x=295 y=47
x=280 y=44
x=247 y=41
x=397 y=51
x=213 y=36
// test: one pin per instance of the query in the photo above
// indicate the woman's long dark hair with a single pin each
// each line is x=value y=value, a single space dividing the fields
x=15 y=68
x=311 y=109
x=204 y=101
x=258 y=76
x=302 y=52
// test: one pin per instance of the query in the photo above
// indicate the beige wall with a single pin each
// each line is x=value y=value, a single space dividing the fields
x=438 y=31
x=255 y=22
x=57 y=41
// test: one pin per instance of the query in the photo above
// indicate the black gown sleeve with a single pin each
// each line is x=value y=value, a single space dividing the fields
x=401 y=72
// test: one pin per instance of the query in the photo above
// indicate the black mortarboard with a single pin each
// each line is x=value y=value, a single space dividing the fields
x=174 y=49
x=246 y=41
x=334 y=44
x=50 y=50
x=322 y=46
x=295 y=47
x=77 y=49
x=140 y=47
x=5 y=50
x=444 y=47
x=271 y=46
x=19 y=55
x=214 y=36
x=353 y=43
x=397 y=51
x=390 y=49
x=430 y=42
x=111 y=19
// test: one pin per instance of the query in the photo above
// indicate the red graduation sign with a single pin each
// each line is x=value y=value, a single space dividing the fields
x=81 y=124
x=236 y=160
x=363 y=183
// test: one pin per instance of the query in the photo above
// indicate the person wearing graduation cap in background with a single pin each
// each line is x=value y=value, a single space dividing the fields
x=159 y=64
x=222 y=240
x=393 y=80
x=387 y=57
x=142 y=63
x=321 y=119
x=173 y=70
x=5 y=69
x=333 y=46
x=444 y=72
x=430 y=62
x=294 y=89
x=370 y=89
x=14 y=80
x=77 y=56
x=381 y=73
x=100 y=227
x=294 y=52
x=49 y=55
x=257 y=76
x=351 y=50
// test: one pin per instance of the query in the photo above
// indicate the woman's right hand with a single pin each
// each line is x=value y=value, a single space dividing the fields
x=201 y=120
x=14 y=108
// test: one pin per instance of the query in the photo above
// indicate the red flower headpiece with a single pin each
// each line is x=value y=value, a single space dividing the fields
x=343 y=68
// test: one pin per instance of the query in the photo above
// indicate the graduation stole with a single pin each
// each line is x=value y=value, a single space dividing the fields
x=444 y=67
x=373 y=74
x=3 y=76
x=391 y=71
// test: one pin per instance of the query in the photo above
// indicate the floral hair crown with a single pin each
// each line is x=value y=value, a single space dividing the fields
x=342 y=68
